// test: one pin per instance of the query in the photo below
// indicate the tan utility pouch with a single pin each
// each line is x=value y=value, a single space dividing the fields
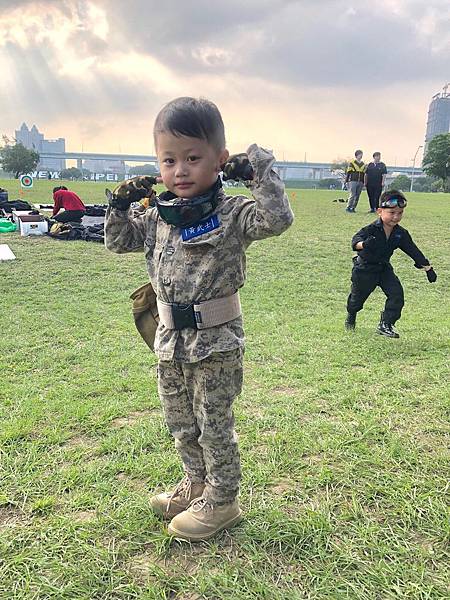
x=145 y=313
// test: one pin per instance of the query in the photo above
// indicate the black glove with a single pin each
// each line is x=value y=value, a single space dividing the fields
x=431 y=275
x=131 y=190
x=370 y=243
x=237 y=167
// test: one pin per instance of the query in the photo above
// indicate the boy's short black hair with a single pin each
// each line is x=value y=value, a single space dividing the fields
x=192 y=117
x=61 y=187
x=376 y=154
x=358 y=152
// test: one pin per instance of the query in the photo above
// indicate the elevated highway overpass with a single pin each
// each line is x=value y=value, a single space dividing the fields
x=286 y=169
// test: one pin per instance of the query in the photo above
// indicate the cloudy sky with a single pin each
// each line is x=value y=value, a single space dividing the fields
x=320 y=77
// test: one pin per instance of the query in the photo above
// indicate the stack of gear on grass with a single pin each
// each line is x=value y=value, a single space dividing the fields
x=7 y=206
x=77 y=231
x=91 y=210
x=195 y=253
x=95 y=210
x=375 y=245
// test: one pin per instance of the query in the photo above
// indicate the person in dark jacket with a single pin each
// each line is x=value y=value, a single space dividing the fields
x=374 y=179
x=74 y=209
x=375 y=245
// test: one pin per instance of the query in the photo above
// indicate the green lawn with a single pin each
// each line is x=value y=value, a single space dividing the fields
x=344 y=437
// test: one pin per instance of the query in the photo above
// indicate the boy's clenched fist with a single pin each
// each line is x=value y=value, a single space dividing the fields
x=131 y=190
x=237 y=168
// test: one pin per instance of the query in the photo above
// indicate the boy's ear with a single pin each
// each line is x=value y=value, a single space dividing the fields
x=379 y=211
x=223 y=157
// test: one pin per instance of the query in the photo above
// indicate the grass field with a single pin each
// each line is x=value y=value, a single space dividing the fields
x=344 y=437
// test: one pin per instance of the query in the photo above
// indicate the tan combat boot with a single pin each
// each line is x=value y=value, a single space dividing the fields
x=169 y=504
x=202 y=520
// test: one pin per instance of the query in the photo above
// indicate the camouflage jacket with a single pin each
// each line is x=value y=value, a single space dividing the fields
x=211 y=265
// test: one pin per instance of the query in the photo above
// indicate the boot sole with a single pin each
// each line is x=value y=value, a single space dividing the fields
x=199 y=537
x=392 y=337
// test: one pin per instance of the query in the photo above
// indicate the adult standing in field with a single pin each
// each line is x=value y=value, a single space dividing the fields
x=74 y=209
x=355 y=180
x=374 y=180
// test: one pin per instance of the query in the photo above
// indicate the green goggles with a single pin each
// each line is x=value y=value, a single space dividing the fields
x=182 y=212
x=394 y=202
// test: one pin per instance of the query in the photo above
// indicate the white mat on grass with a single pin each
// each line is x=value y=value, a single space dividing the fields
x=6 y=253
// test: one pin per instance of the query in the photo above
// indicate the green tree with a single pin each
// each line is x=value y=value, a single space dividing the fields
x=328 y=182
x=424 y=184
x=17 y=159
x=71 y=173
x=146 y=169
x=401 y=182
x=339 y=168
x=339 y=164
x=436 y=162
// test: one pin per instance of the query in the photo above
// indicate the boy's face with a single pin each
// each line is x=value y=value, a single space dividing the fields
x=189 y=166
x=390 y=216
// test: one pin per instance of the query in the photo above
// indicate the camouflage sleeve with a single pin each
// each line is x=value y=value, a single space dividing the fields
x=270 y=213
x=126 y=231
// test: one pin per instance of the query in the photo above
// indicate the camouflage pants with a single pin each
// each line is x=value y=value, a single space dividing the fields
x=197 y=399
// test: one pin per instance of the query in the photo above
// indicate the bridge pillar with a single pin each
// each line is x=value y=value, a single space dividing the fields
x=79 y=163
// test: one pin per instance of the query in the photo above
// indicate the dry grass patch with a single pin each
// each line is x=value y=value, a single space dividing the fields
x=131 y=419
x=270 y=433
x=282 y=486
x=138 y=484
x=312 y=459
x=84 y=516
x=253 y=412
x=180 y=559
x=284 y=390
x=10 y=517
x=80 y=441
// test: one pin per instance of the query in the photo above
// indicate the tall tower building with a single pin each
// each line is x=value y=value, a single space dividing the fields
x=33 y=139
x=438 y=115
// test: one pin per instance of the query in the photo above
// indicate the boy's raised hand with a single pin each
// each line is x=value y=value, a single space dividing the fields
x=132 y=190
x=237 y=168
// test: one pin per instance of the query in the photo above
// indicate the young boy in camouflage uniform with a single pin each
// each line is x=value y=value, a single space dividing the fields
x=194 y=241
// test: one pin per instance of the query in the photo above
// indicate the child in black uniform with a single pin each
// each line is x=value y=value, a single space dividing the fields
x=375 y=245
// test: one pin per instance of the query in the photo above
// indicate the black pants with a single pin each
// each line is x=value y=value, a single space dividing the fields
x=69 y=215
x=364 y=281
x=374 y=193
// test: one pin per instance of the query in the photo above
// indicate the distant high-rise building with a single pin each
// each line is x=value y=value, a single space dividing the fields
x=438 y=115
x=34 y=140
